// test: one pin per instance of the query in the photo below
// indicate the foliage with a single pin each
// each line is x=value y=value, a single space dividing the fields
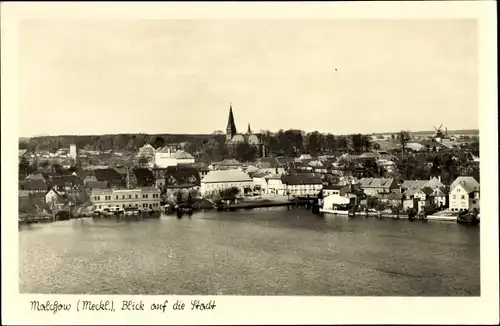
x=229 y=193
x=244 y=152
x=143 y=161
x=190 y=199
x=403 y=137
x=178 y=198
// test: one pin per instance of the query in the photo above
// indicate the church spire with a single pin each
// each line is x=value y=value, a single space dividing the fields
x=231 y=126
x=249 y=131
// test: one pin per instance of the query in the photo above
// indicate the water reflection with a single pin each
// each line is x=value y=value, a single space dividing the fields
x=255 y=252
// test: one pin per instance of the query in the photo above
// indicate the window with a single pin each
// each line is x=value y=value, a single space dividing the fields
x=136 y=196
x=473 y=201
x=462 y=197
x=116 y=196
x=129 y=196
x=454 y=196
x=99 y=206
x=123 y=196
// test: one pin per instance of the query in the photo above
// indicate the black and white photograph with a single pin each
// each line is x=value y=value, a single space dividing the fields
x=250 y=157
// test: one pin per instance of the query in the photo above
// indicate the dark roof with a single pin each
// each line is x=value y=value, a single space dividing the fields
x=182 y=175
x=97 y=184
x=64 y=180
x=35 y=184
x=335 y=187
x=107 y=175
x=144 y=175
x=301 y=179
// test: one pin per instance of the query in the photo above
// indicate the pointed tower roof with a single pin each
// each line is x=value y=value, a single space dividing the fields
x=249 y=131
x=231 y=126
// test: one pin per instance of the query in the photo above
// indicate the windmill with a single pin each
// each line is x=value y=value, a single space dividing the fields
x=439 y=132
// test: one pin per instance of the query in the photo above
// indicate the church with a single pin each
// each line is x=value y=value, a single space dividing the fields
x=233 y=138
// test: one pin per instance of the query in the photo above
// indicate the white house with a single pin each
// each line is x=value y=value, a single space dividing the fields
x=259 y=181
x=374 y=186
x=302 y=184
x=275 y=185
x=464 y=194
x=167 y=156
x=119 y=199
x=218 y=180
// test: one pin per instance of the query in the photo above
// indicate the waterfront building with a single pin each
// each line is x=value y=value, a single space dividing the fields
x=119 y=199
x=374 y=186
x=302 y=184
x=464 y=194
x=274 y=184
x=218 y=180
x=259 y=181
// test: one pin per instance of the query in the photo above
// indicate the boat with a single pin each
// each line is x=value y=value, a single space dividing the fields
x=467 y=217
x=335 y=204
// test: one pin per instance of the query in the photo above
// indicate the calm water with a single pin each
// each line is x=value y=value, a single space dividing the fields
x=258 y=252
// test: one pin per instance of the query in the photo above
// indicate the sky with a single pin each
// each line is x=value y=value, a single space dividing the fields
x=180 y=76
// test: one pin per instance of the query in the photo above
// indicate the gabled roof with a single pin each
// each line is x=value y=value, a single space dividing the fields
x=407 y=184
x=97 y=185
x=144 y=175
x=35 y=176
x=376 y=182
x=107 y=175
x=226 y=176
x=301 y=179
x=468 y=183
x=259 y=174
x=64 y=180
x=183 y=175
x=35 y=184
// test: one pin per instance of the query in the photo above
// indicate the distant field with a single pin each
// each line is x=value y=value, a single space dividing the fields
x=431 y=132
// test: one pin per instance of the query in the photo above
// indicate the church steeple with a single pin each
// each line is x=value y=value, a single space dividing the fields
x=249 y=131
x=231 y=126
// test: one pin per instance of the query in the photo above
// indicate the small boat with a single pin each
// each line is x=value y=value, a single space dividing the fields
x=467 y=217
x=336 y=209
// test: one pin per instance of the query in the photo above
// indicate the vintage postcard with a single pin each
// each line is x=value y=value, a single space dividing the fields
x=257 y=163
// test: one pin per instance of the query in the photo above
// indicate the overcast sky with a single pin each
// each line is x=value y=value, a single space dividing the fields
x=179 y=76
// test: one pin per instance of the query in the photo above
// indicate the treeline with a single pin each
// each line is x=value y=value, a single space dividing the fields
x=119 y=142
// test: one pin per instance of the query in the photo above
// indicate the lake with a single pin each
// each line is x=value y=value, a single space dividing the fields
x=272 y=251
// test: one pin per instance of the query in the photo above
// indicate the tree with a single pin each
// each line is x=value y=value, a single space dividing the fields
x=244 y=152
x=179 y=198
x=404 y=138
x=229 y=193
x=314 y=142
x=57 y=168
x=190 y=200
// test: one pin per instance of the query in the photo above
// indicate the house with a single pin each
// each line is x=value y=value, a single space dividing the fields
x=176 y=175
x=464 y=194
x=301 y=185
x=66 y=182
x=374 y=186
x=143 y=177
x=274 y=185
x=218 y=180
x=174 y=179
x=54 y=198
x=114 y=179
x=340 y=190
x=417 y=198
x=169 y=156
x=33 y=186
x=259 y=181
x=91 y=185
x=227 y=164
x=145 y=198
x=270 y=165
x=35 y=176
x=392 y=198
x=147 y=152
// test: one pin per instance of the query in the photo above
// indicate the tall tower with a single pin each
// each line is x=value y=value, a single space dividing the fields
x=249 y=131
x=231 y=127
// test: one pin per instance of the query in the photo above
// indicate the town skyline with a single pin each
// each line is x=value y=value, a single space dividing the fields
x=179 y=77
